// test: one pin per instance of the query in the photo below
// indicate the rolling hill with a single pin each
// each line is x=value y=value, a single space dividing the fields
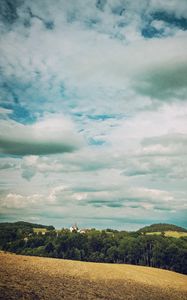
x=23 y=277
x=161 y=227
x=23 y=226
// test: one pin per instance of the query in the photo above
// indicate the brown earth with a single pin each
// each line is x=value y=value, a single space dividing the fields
x=24 y=277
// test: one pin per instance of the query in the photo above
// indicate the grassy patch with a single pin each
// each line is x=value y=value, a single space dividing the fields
x=168 y=233
x=40 y=230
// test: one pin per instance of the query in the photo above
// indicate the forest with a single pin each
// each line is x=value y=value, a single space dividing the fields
x=106 y=246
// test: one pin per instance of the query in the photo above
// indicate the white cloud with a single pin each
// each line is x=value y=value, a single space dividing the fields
x=4 y=112
x=55 y=192
x=17 y=201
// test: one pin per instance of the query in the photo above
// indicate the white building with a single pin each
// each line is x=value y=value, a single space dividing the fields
x=74 y=228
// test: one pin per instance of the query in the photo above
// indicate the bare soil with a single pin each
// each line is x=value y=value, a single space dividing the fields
x=24 y=277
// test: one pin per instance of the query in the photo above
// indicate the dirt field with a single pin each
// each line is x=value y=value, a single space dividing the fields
x=24 y=277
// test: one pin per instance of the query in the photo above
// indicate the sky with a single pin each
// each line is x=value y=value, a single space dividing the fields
x=93 y=112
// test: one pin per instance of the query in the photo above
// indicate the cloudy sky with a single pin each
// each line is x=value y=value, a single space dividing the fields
x=93 y=115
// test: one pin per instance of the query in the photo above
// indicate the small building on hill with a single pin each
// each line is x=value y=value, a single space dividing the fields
x=74 y=228
x=82 y=230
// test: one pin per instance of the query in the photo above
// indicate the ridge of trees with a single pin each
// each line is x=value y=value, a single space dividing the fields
x=160 y=227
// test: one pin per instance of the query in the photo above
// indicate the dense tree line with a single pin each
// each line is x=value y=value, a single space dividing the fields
x=100 y=246
x=162 y=227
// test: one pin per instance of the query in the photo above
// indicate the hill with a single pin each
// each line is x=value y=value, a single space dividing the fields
x=162 y=227
x=10 y=232
x=24 y=277
x=23 y=225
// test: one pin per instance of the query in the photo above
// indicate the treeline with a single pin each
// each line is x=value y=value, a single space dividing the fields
x=102 y=246
x=10 y=232
x=162 y=227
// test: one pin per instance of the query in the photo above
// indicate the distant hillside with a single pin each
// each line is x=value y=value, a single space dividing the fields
x=12 y=231
x=22 y=225
x=161 y=227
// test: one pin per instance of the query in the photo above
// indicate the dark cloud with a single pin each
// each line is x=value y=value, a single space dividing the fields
x=26 y=147
x=48 y=136
x=165 y=82
x=162 y=208
x=101 y=203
